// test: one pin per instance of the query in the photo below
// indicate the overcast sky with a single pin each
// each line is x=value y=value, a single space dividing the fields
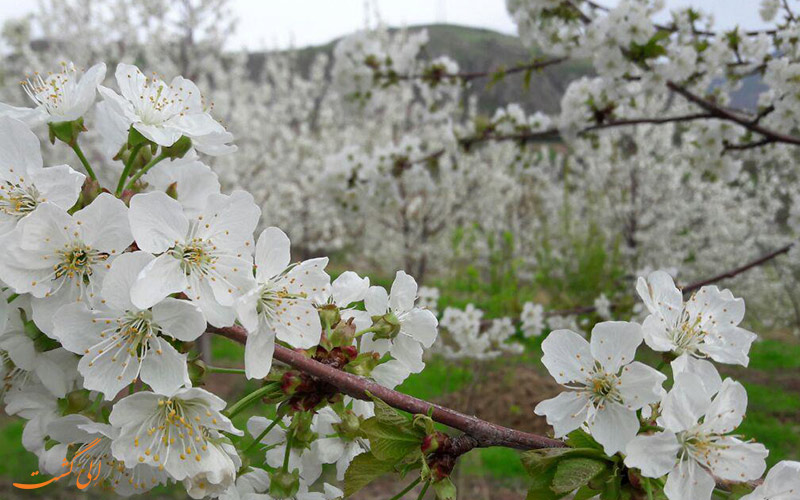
x=281 y=23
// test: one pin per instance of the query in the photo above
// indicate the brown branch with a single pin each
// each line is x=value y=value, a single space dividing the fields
x=473 y=75
x=686 y=289
x=723 y=114
x=554 y=133
x=739 y=270
x=485 y=434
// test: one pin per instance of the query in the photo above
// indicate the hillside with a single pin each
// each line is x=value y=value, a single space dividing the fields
x=477 y=49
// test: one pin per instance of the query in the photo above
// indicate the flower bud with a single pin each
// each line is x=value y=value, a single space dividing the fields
x=66 y=132
x=284 y=484
x=135 y=138
x=76 y=402
x=197 y=372
x=433 y=442
x=386 y=326
x=350 y=426
x=179 y=149
x=343 y=334
x=363 y=364
x=172 y=190
x=329 y=315
x=290 y=381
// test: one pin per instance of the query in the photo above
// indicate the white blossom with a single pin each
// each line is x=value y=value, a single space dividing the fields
x=704 y=326
x=207 y=256
x=281 y=303
x=606 y=385
x=64 y=96
x=695 y=444
x=121 y=343
x=61 y=258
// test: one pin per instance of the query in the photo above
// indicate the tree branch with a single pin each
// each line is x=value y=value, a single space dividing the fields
x=739 y=270
x=723 y=114
x=485 y=434
x=688 y=288
x=472 y=75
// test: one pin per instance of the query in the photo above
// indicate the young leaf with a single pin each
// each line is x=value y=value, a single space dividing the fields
x=392 y=442
x=364 y=469
x=581 y=439
x=573 y=473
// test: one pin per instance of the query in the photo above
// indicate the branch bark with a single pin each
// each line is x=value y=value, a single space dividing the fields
x=485 y=434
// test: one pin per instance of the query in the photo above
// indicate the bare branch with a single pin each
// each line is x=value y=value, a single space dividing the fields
x=485 y=434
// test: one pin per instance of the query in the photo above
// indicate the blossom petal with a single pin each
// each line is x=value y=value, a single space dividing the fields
x=20 y=151
x=60 y=185
x=727 y=408
x=105 y=224
x=376 y=301
x=705 y=370
x=180 y=319
x=161 y=277
x=660 y=295
x=614 y=343
x=565 y=412
x=685 y=403
x=408 y=351
x=258 y=353
x=420 y=324
x=298 y=323
x=653 y=454
x=79 y=328
x=640 y=385
x=614 y=426
x=689 y=480
x=272 y=253
x=349 y=287
x=157 y=221
x=119 y=280
x=403 y=293
x=567 y=356
x=164 y=369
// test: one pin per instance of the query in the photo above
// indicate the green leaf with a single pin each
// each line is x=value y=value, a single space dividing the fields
x=581 y=439
x=445 y=489
x=386 y=414
x=364 y=469
x=392 y=442
x=573 y=473
x=585 y=493
x=539 y=489
x=537 y=461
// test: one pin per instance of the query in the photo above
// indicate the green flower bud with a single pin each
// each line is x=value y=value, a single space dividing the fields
x=66 y=132
x=179 y=149
x=135 y=138
x=386 y=326
x=284 y=484
x=363 y=364
x=197 y=372
x=329 y=315
x=350 y=426
x=172 y=190
x=75 y=402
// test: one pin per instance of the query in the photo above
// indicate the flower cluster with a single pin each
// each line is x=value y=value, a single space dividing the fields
x=684 y=434
x=107 y=288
